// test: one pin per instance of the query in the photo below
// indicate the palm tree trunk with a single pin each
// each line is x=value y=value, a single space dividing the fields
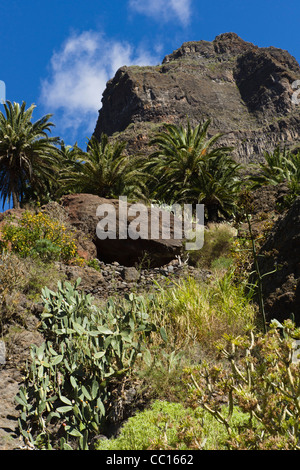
x=16 y=200
x=212 y=212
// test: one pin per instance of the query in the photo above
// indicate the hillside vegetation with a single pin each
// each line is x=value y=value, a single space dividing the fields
x=195 y=363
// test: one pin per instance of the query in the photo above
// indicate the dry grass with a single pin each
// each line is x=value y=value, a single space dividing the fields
x=218 y=240
x=202 y=312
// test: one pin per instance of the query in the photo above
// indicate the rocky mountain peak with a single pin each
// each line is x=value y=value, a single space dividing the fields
x=224 y=46
x=244 y=89
x=231 y=44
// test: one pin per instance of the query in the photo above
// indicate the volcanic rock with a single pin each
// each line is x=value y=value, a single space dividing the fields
x=281 y=251
x=82 y=211
x=131 y=274
x=245 y=90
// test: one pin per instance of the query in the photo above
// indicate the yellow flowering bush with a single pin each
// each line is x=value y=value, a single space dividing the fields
x=39 y=235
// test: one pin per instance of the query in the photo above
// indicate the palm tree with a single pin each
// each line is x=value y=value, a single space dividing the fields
x=68 y=157
x=217 y=186
x=279 y=166
x=52 y=189
x=190 y=168
x=105 y=170
x=27 y=153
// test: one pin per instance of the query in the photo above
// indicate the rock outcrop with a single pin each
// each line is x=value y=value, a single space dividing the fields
x=82 y=213
x=281 y=290
x=245 y=90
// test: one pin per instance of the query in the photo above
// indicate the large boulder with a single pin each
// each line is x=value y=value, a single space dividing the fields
x=281 y=289
x=82 y=212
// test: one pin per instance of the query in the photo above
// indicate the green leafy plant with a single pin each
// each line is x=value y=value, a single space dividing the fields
x=86 y=349
x=38 y=235
x=46 y=250
x=164 y=425
x=218 y=242
x=203 y=311
x=169 y=425
x=190 y=168
x=263 y=381
x=279 y=166
x=105 y=170
x=94 y=263
x=27 y=153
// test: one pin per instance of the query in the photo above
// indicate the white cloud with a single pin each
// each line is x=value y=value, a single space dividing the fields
x=164 y=10
x=79 y=72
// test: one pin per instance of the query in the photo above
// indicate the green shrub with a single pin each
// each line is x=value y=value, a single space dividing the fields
x=46 y=250
x=39 y=235
x=68 y=382
x=263 y=381
x=216 y=250
x=222 y=264
x=204 y=311
x=158 y=426
x=94 y=263
x=167 y=425
x=281 y=165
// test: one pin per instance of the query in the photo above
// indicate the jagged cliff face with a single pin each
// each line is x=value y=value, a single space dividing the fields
x=245 y=90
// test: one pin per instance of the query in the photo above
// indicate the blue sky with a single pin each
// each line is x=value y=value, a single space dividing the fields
x=59 y=54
